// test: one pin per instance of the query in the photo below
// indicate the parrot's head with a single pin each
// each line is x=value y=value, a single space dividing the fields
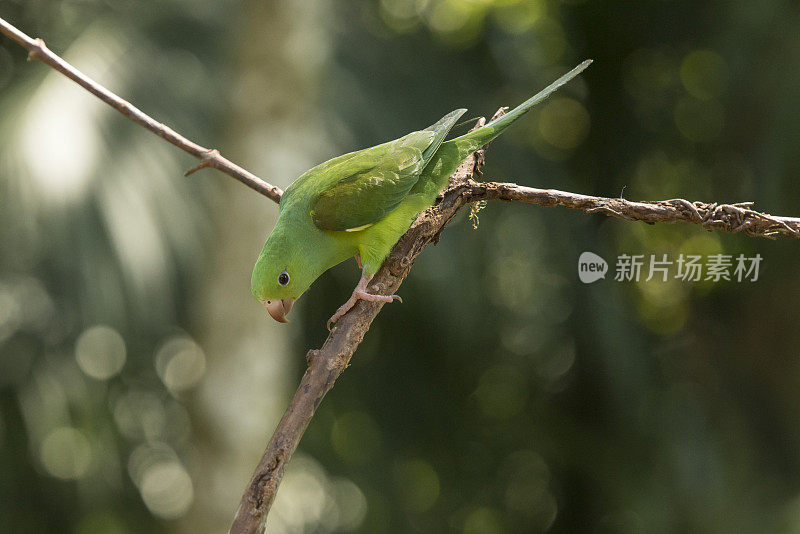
x=279 y=277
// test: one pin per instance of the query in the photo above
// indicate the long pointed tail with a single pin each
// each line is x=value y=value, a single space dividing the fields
x=470 y=142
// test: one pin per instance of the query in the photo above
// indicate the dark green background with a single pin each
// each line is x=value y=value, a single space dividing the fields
x=503 y=395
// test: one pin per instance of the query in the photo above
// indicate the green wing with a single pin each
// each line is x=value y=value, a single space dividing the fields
x=373 y=182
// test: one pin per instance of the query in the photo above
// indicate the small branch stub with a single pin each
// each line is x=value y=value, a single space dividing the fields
x=37 y=51
x=208 y=160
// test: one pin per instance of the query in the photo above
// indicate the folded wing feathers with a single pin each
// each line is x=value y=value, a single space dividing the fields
x=377 y=180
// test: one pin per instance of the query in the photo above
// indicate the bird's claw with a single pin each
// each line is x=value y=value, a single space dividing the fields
x=357 y=295
x=363 y=295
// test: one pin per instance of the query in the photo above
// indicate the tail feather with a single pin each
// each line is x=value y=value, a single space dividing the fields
x=470 y=142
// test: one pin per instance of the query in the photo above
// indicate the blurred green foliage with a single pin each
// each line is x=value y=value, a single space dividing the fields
x=139 y=380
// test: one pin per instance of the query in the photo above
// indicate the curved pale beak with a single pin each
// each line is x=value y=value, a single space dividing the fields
x=278 y=308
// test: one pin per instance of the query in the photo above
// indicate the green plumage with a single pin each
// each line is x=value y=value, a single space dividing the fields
x=362 y=202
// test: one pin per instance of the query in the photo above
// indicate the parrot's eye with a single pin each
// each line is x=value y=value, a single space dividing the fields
x=283 y=278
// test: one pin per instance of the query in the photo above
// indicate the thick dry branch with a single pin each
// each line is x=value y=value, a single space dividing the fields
x=726 y=217
x=208 y=157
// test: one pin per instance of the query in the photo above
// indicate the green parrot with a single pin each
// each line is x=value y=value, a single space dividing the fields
x=359 y=204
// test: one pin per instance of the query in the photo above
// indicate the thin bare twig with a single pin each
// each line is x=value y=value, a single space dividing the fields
x=327 y=363
x=208 y=157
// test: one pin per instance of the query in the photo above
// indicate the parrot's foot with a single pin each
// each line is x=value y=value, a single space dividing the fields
x=360 y=292
x=358 y=261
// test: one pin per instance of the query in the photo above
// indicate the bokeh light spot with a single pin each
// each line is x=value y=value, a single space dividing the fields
x=564 y=123
x=352 y=504
x=512 y=281
x=65 y=453
x=663 y=318
x=518 y=17
x=556 y=362
x=417 y=485
x=456 y=22
x=522 y=339
x=180 y=363
x=59 y=139
x=305 y=489
x=704 y=74
x=663 y=305
x=649 y=73
x=309 y=501
x=163 y=482
x=484 y=521
x=402 y=15
x=167 y=489
x=100 y=352
x=528 y=492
